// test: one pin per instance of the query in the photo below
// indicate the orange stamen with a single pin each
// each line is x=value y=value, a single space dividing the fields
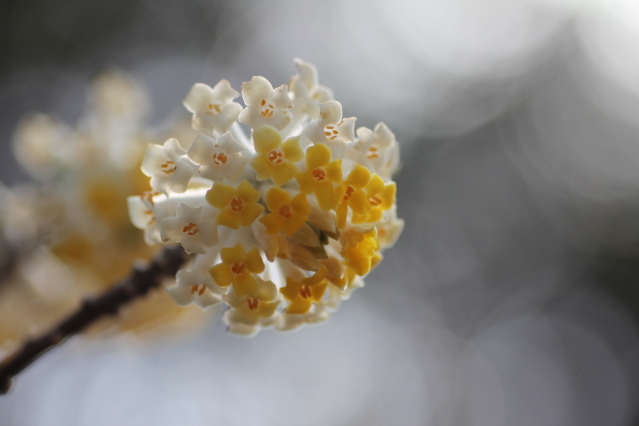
x=253 y=303
x=237 y=204
x=191 y=229
x=274 y=157
x=238 y=267
x=318 y=174
x=220 y=158
x=305 y=291
x=285 y=211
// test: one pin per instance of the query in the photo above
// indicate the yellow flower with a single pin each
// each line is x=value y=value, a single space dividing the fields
x=247 y=315
x=238 y=205
x=354 y=195
x=237 y=268
x=302 y=294
x=320 y=176
x=380 y=197
x=286 y=214
x=275 y=159
x=361 y=250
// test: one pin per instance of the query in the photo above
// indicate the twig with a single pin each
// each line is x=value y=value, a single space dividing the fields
x=139 y=282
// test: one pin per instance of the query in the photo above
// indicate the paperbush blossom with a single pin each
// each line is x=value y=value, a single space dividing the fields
x=68 y=232
x=286 y=222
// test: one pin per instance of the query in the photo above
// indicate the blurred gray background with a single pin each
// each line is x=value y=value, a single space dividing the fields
x=513 y=296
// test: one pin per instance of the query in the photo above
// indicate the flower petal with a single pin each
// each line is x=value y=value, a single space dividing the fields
x=263 y=167
x=276 y=198
x=317 y=155
x=292 y=151
x=266 y=138
x=222 y=274
x=254 y=261
x=246 y=191
x=220 y=195
x=284 y=172
x=249 y=213
x=256 y=90
x=245 y=285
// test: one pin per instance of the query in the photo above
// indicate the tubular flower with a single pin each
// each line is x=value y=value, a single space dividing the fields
x=191 y=227
x=354 y=195
x=287 y=214
x=265 y=105
x=192 y=287
x=376 y=149
x=320 y=176
x=307 y=221
x=275 y=159
x=307 y=92
x=247 y=315
x=237 y=268
x=218 y=159
x=331 y=130
x=238 y=205
x=212 y=108
x=381 y=197
x=168 y=167
x=303 y=293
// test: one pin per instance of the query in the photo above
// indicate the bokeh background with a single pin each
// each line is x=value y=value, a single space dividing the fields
x=513 y=296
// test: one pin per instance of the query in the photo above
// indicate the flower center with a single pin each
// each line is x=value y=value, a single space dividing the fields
x=253 y=303
x=375 y=201
x=214 y=109
x=349 y=193
x=268 y=111
x=330 y=132
x=285 y=211
x=319 y=174
x=198 y=288
x=148 y=197
x=274 y=157
x=238 y=267
x=168 y=167
x=372 y=153
x=305 y=291
x=237 y=204
x=220 y=158
x=191 y=229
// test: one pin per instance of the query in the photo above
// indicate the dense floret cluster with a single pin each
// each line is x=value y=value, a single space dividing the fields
x=284 y=223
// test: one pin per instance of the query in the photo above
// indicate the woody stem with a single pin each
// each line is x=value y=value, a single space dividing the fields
x=137 y=284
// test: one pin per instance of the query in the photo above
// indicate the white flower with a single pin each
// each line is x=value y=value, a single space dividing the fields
x=375 y=150
x=330 y=129
x=193 y=287
x=213 y=108
x=219 y=159
x=307 y=93
x=194 y=228
x=389 y=230
x=289 y=322
x=247 y=315
x=168 y=167
x=145 y=210
x=265 y=105
x=42 y=144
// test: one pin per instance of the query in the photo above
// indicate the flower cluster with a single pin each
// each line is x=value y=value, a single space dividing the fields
x=69 y=235
x=285 y=223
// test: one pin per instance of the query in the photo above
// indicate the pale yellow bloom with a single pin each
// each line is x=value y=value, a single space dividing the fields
x=237 y=268
x=274 y=159
x=238 y=205
x=287 y=214
x=320 y=176
x=303 y=293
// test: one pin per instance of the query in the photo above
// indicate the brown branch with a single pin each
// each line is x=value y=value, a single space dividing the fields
x=139 y=282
